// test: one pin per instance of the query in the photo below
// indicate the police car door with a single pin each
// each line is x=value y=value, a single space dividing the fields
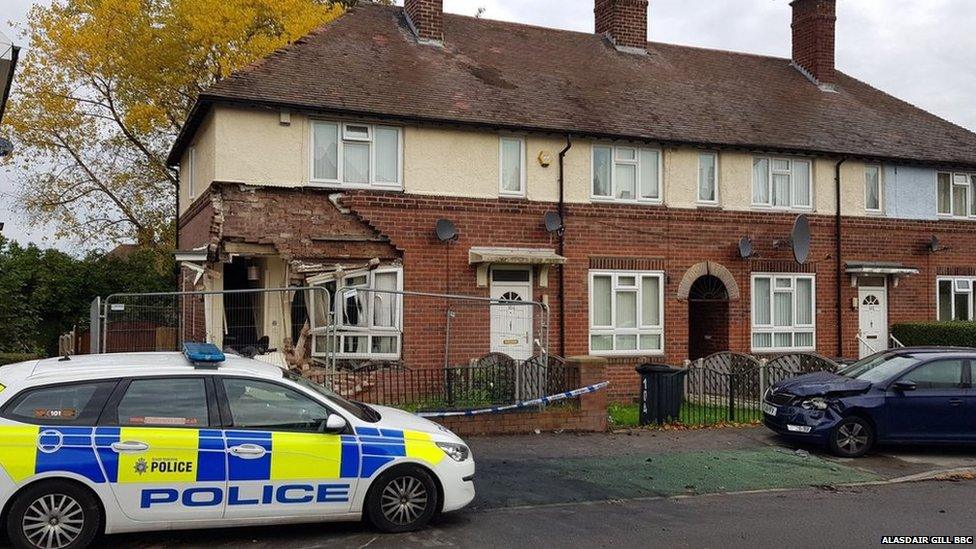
x=163 y=461
x=280 y=461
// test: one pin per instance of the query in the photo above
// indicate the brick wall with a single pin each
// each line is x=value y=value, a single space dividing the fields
x=427 y=17
x=625 y=21
x=814 y=23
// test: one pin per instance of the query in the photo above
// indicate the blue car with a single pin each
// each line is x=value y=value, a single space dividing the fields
x=910 y=395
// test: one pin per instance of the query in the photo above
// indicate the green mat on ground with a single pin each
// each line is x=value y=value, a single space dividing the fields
x=705 y=472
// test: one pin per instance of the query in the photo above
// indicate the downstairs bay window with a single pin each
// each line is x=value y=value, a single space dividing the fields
x=626 y=313
x=367 y=320
x=783 y=308
x=955 y=298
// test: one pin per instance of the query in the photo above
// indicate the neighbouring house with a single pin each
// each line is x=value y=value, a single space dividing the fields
x=677 y=174
x=9 y=52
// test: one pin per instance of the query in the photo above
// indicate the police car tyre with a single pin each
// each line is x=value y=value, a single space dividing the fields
x=402 y=499
x=852 y=437
x=53 y=515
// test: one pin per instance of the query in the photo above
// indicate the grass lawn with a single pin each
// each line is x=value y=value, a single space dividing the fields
x=691 y=415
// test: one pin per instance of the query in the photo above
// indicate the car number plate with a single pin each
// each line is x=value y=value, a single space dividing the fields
x=768 y=409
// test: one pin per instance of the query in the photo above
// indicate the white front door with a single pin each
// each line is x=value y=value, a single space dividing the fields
x=511 y=325
x=873 y=315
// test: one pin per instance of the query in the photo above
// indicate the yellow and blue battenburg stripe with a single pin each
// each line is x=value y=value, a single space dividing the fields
x=183 y=455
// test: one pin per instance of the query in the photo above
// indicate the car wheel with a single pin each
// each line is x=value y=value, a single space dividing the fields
x=53 y=515
x=402 y=500
x=852 y=437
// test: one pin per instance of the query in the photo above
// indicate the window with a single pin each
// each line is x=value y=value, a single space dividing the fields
x=872 y=188
x=263 y=405
x=512 y=166
x=941 y=374
x=781 y=183
x=783 y=312
x=75 y=404
x=356 y=155
x=957 y=195
x=955 y=298
x=708 y=178
x=626 y=312
x=627 y=174
x=368 y=318
x=191 y=160
x=167 y=402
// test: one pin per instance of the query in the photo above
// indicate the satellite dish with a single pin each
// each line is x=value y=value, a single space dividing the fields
x=745 y=247
x=554 y=223
x=800 y=238
x=935 y=245
x=446 y=231
x=6 y=147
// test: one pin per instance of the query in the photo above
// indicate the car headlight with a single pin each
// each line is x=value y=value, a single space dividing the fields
x=457 y=452
x=817 y=403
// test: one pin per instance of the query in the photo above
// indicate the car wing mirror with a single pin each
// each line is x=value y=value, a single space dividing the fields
x=334 y=424
x=905 y=386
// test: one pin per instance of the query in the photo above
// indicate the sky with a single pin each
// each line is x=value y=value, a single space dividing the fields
x=923 y=52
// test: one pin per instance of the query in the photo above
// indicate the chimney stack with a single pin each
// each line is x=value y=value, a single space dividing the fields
x=624 y=22
x=814 y=24
x=426 y=17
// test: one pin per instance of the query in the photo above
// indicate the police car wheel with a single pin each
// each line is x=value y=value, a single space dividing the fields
x=53 y=515
x=402 y=500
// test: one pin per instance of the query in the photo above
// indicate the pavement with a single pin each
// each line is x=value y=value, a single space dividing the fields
x=704 y=488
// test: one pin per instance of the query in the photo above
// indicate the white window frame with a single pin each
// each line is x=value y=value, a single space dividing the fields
x=956 y=290
x=613 y=173
x=342 y=331
x=969 y=184
x=770 y=188
x=641 y=328
x=771 y=328
x=191 y=160
x=880 y=208
x=501 y=166
x=342 y=138
x=701 y=200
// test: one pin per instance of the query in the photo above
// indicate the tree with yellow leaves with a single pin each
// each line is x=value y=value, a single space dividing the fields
x=103 y=91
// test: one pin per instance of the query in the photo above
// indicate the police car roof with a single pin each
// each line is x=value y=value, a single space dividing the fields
x=137 y=364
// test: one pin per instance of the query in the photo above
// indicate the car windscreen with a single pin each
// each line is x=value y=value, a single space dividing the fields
x=878 y=368
x=361 y=411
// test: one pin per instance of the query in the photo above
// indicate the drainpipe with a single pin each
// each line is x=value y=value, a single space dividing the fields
x=561 y=246
x=839 y=261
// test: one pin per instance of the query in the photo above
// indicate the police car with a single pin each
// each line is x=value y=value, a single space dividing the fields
x=155 y=441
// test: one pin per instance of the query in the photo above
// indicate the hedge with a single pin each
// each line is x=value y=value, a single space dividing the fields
x=10 y=358
x=951 y=334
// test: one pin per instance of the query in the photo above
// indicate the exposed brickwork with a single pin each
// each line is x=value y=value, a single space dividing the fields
x=624 y=21
x=198 y=223
x=427 y=17
x=814 y=29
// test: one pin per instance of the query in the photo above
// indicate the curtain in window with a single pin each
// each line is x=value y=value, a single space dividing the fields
x=384 y=304
x=387 y=155
x=626 y=181
x=872 y=188
x=801 y=183
x=972 y=193
x=782 y=308
x=650 y=162
x=706 y=177
x=781 y=190
x=760 y=302
x=804 y=302
x=601 y=301
x=945 y=193
x=601 y=171
x=326 y=152
x=626 y=309
x=512 y=165
x=960 y=196
x=760 y=180
x=651 y=301
x=355 y=165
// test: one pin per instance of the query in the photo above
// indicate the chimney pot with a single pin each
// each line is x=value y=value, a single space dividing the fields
x=624 y=22
x=814 y=29
x=426 y=17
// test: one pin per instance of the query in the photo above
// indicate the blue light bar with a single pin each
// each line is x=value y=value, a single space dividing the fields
x=206 y=353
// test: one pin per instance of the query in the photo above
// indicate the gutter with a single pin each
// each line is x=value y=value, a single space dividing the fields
x=561 y=246
x=839 y=260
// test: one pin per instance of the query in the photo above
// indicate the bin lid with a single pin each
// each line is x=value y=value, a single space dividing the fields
x=655 y=369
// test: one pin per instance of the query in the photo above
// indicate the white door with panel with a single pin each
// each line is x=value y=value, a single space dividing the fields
x=873 y=319
x=511 y=324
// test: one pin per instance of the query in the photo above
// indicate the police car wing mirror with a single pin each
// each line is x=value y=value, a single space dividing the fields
x=905 y=385
x=334 y=424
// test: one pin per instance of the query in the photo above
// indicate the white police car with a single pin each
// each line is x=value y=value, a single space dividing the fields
x=154 y=441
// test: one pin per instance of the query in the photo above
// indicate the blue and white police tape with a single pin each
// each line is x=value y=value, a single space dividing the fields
x=518 y=405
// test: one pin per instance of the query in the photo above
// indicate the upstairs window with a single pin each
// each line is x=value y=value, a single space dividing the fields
x=191 y=160
x=708 y=178
x=872 y=188
x=957 y=195
x=512 y=166
x=626 y=174
x=783 y=183
x=356 y=155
